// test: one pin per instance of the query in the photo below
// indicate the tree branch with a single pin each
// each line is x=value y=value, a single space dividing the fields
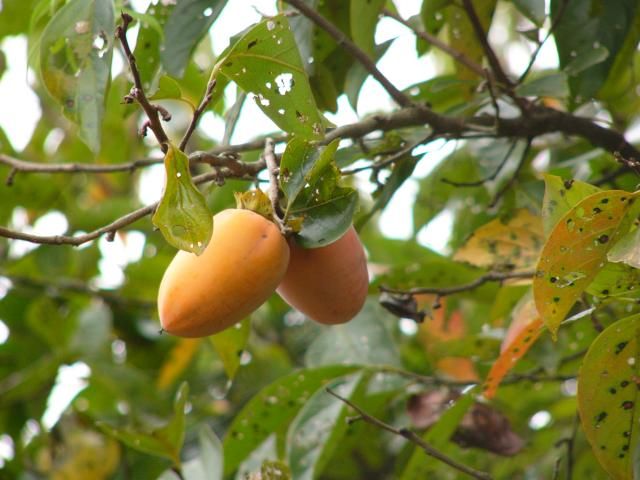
x=445 y=291
x=415 y=439
x=274 y=188
x=481 y=35
x=137 y=92
x=75 y=286
x=343 y=41
x=206 y=99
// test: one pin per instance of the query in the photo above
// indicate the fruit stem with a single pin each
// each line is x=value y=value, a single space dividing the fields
x=273 y=169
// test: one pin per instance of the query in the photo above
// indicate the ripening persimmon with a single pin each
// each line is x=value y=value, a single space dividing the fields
x=239 y=270
x=328 y=284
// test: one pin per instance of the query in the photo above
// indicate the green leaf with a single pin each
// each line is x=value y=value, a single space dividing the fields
x=438 y=436
x=302 y=164
x=318 y=423
x=365 y=340
x=432 y=16
x=608 y=396
x=585 y=60
x=583 y=36
x=560 y=196
x=273 y=409
x=266 y=63
x=150 y=39
x=168 y=88
x=576 y=251
x=164 y=442
x=552 y=85
x=93 y=332
x=229 y=345
x=532 y=9
x=208 y=464
x=182 y=214
x=364 y=18
x=310 y=181
x=616 y=280
x=75 y=62
x=189 y=21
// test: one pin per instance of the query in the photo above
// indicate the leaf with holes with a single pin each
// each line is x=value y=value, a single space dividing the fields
x=266 y=63
x=301 y=165
x=576 y=251
x=616 y=280
x=511 y=353
x=515 y=243
x=273 y=409
x=608 y=389
x=560 y=196
x=314 y=197
x=75 y=63
x=182 y=215
x=229 y=344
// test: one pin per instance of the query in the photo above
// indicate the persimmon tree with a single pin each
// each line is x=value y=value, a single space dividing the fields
x=510 y=352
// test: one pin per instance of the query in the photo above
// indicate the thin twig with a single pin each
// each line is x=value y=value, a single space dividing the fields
x=415 y=439
x=195 y=118
x=569 y=442
x=391 y=158
x=505 y=188
x=445 y=291
x=536 y=52
x=137 y=92
x=344 y=42
x=436 y=42
x=75 y=286
x=489 y=178
x=481 y=35
x=109 y=229
x=273 y=170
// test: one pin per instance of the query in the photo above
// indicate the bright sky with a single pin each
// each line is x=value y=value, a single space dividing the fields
x=400 y=65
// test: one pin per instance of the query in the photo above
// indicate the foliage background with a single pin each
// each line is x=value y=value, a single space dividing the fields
x=134 y=418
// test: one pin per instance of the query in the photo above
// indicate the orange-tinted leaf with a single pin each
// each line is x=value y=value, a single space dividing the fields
x=515 y=243
x=608 y=389
x=576 y=251
x=438 y=329
x=510 y=355
x=524 y=314
x=178 y=360
x=560 y=196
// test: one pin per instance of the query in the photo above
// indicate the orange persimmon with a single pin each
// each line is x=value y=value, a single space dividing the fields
x=241 y=267
x=328 y=284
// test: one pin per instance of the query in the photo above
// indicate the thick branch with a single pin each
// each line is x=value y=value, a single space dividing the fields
x=343 y=41
x=414 y=438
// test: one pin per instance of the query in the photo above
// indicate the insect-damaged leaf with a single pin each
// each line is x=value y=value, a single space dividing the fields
x=182 y=215
x=75 y=63
x=608 y=389
x=310 y=181
x=576 y=251
x=266 y=63
x=515 y=242
x=560 y=196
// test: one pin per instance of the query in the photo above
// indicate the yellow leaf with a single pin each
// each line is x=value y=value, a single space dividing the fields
x=515 y=244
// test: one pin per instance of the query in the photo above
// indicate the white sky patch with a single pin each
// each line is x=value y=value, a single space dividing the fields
x=539 y=420
x=51 y=223
x=70 y=381
x=124 y=249
x=5 y=285
x=4 y=332
x=7 y=450
x=436 y=234
x=16 y=92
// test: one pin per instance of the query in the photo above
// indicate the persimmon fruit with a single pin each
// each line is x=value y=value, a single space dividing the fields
x=239 y=270
x=328 y=284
